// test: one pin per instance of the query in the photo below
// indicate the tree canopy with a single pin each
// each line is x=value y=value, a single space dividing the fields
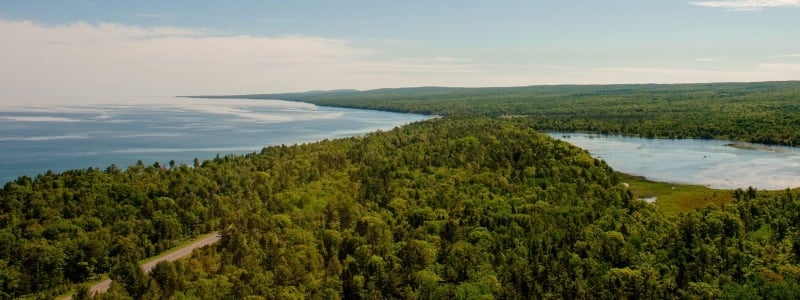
x=762 y=112
x=462 y=208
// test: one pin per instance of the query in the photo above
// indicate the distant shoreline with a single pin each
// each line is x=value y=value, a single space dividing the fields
x=755 y=147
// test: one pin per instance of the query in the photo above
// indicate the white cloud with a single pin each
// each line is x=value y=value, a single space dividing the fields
x=448 y=59
x=787 y=55
x=747 y=5
x=432 y=65
x=104 y=60
x=759 y=72
x=782 y=68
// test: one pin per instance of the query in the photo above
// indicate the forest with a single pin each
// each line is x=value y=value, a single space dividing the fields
x=761 y=112
x=476 y=204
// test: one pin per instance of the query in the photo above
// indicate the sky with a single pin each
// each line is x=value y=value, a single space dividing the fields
x=73 y=51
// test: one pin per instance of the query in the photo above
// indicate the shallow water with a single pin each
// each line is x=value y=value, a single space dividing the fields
x=36 y=139
x=712 y=163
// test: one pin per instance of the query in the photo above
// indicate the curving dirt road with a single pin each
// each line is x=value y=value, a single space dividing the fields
x=208 y=239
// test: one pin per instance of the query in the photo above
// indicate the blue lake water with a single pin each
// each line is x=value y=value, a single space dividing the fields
x=36 y=139
x=58 y=138
x=713 y=163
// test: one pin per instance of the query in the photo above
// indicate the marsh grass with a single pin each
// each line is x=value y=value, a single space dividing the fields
x=676 y=198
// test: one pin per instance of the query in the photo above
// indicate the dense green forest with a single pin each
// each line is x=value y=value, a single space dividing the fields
x=465 y=208
x=765 y=112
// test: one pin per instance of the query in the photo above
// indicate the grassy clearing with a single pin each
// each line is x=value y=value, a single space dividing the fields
x=677 y=198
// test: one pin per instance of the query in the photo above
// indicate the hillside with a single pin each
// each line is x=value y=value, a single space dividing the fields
x=447 y=208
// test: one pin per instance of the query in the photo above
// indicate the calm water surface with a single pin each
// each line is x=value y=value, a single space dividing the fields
x=712 y=163
x=36 y=139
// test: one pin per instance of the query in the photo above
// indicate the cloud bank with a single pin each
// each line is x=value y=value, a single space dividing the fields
x=98 y=60
x=747 y=5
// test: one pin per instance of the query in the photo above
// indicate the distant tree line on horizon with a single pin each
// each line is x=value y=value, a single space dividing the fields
x=761 y=112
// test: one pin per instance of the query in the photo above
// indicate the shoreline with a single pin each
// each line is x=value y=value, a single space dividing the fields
x=755 y=147
x=177 y=142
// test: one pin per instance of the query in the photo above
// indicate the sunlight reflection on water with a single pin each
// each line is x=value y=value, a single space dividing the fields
x=36 y=139
x=712 y=163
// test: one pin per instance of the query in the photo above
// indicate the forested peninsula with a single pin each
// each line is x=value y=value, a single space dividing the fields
x=761 y=112
x=476 y=204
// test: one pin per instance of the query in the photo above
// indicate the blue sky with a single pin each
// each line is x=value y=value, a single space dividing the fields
x=86 y=49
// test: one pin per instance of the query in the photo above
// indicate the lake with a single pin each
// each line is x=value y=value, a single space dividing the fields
x=34 y=140
x=713 y=163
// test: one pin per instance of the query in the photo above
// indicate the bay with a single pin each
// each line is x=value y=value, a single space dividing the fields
x=36 y=139
x=713 y=163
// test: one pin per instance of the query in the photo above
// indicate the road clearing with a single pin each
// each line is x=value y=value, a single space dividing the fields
x=171 y=255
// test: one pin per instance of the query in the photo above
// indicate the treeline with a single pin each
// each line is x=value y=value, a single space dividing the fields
x=766 y=112
x=59 y=229
x=471 y=208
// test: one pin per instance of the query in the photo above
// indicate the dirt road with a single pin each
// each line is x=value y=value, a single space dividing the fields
x=206 y=240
